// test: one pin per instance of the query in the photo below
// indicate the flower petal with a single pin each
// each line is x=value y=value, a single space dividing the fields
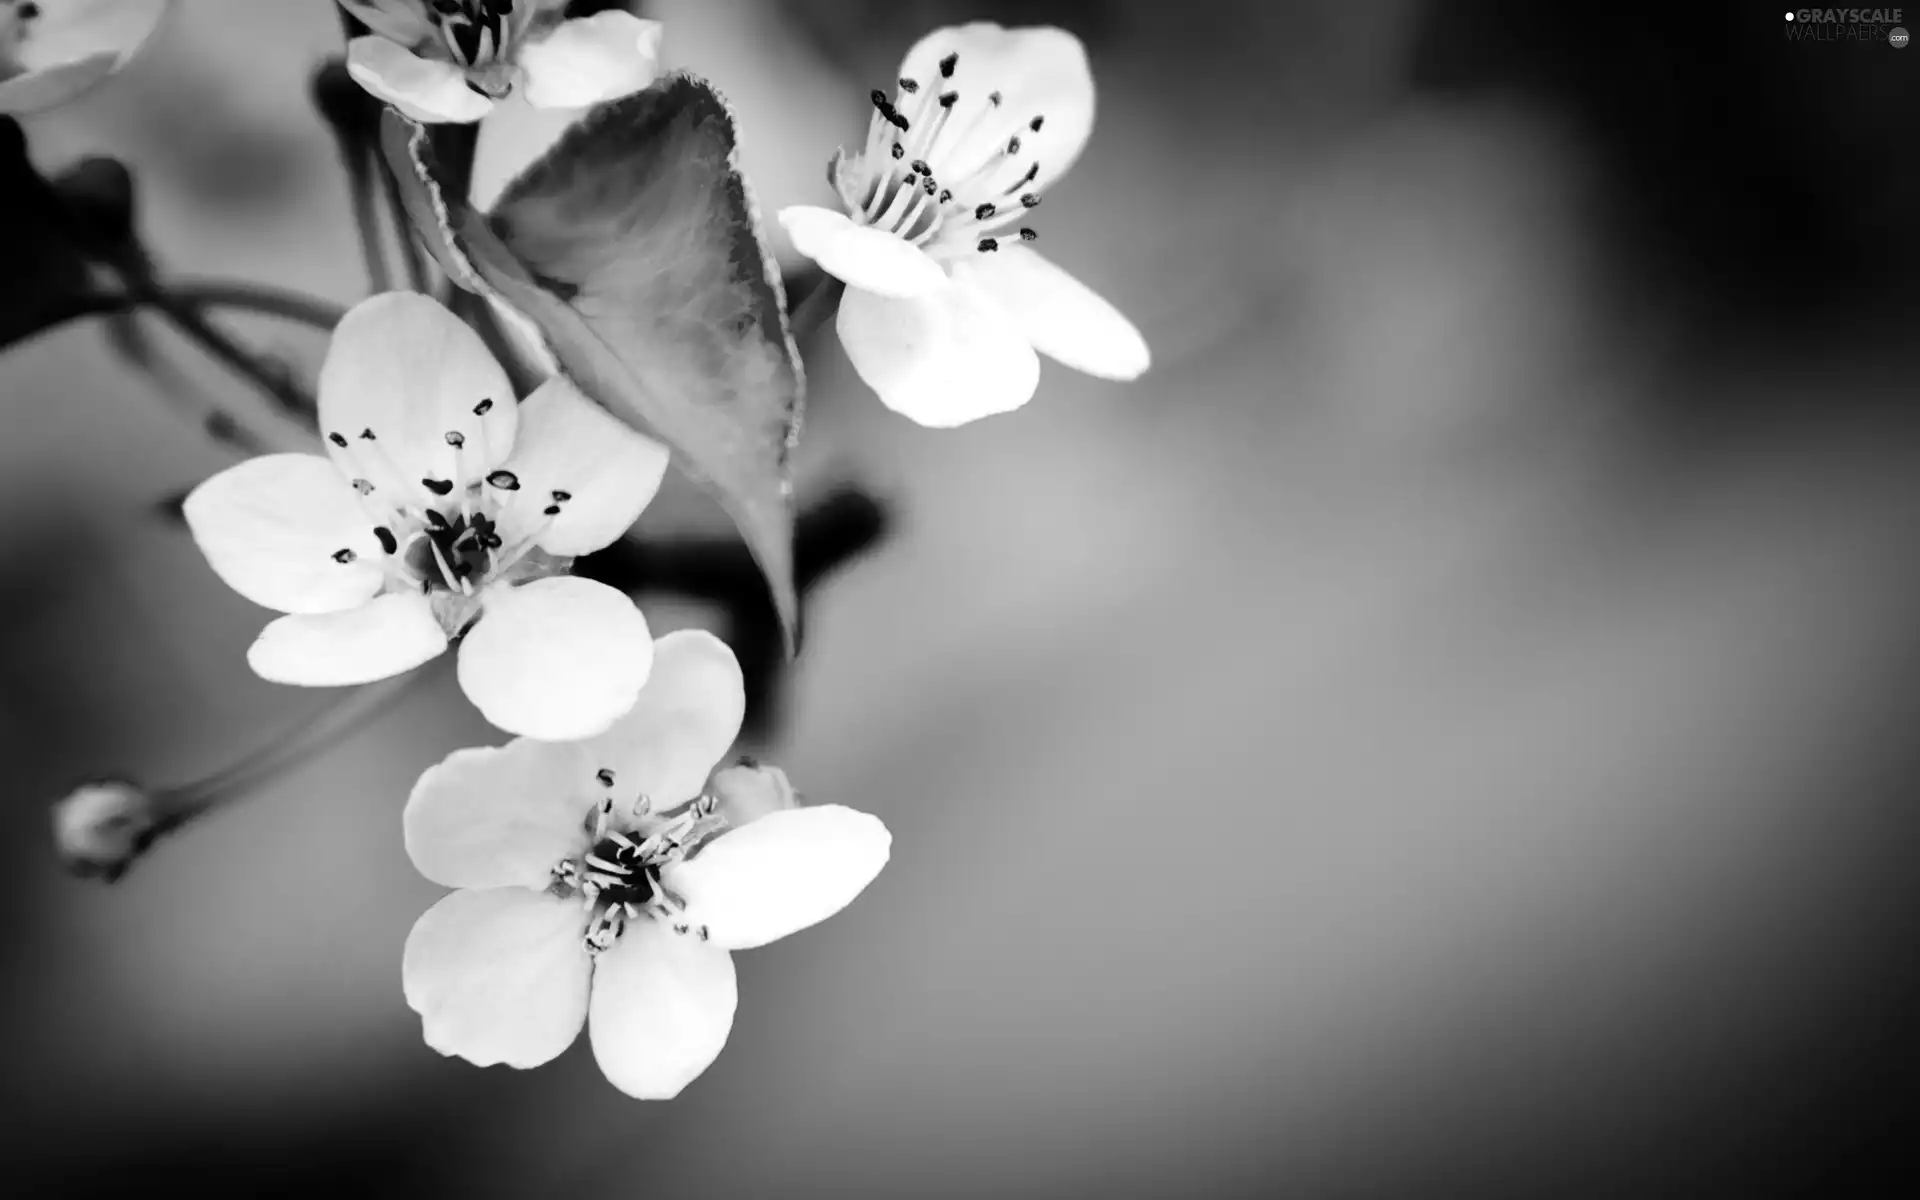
x=1063 y=318
x=559 y=658
x=401 y=21
x=591 y=59
x=1035 y=72
x=749 y=790
x=35 y=90
x=864 y=257
x=499 y=975
x=574 y=456
x=274 y=528
x=385 y=636
x=500 y=816
x=784 y=872
x=70 y=46
x=405 y=369
x=942 y=359
x=661 y=1010
x=686 y=718
x=425 y=89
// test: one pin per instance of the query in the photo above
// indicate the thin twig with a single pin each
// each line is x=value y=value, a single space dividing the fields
x=191 y=321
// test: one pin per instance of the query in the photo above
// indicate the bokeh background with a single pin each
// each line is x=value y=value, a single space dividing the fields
x=1447 y=731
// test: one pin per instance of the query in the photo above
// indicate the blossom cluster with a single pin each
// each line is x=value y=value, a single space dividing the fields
x=605 y=862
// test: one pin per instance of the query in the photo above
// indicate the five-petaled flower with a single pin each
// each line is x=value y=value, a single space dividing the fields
x=450 y=60
x=599 y=883
x=946 y=301
x=443 y=509
x=53 y=50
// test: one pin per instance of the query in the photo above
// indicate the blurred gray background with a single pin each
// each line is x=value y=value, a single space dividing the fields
x=1447 y=730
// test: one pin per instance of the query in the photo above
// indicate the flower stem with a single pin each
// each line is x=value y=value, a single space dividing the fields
x=191 y=320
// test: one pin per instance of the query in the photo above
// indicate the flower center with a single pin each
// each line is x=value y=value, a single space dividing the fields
x=478 y=35
x=618 y=879
x=440 y=536
x=937 y=171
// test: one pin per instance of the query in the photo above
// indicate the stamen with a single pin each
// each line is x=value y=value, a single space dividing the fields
x=363 y=486
x=387 y=540
x=439 y=487
x=1036 y=123
x=909 y=86
x=338 y=440
x=947 y=65
x=1028 y=235
x=344 y=556
x=988 y=245
x=605 y=777
x=506 y=481
x=483 y=408
x=456 y=439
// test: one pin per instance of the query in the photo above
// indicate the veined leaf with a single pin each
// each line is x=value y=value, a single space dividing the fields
x=634 y=246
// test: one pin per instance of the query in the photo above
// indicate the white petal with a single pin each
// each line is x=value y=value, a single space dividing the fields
x=1037 y=72
x=499 y=975
x=401 y=21
x=557 y=659
x=425 y=89
x=750 y=790
x=409 y=371
x=72 y=45
x=272 y=526
x=686 y=718
x=863 y=257
x=782 y=873
x=35 y=90
x=661 y=1010
x=500 y=816
x=1063 y=318
x=943 y=359
x=385 y=636
x=590 y=60
x=568 y=444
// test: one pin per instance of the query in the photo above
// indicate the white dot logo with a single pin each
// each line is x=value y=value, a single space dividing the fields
x=1789 y=16
x=1898 y=39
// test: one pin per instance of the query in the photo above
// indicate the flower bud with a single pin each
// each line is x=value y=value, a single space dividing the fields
x=103 y=826
x=749 y=790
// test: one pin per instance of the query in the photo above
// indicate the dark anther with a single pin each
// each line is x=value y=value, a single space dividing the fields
x=994 y=98
x=1029 y=201
x=387 y=541
x=447 y=8
x=899 y=122
x=947 y=99
x=462 y=569
x=983 y=212
x=1013 y=145
x=551 y=510
x=929 y=187
x=491 y=541
x=338 y=440
x=1028 y=235
x=366 y=435
x=989 y=244
x=909 y=86
x=897 y=151
x=363 y=486
x=456 y=439
x=880 y=100
x=435 y=519
x=1035 y=124
x=605 y=777
x=560 y=497
x=506 y=481
x=344 y=556
x=439 y=487
x=945 y=195
x=920 y=167
x=1032 y=173
x=947 y=65
x=483 y=408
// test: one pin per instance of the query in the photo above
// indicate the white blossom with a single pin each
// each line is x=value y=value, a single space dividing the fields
x=946 y=299
x=442 y=509
x=597 y=884
x=451 y=60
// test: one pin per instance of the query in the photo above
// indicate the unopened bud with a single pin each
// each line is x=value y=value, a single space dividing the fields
x=103 y=826
x=749 y=790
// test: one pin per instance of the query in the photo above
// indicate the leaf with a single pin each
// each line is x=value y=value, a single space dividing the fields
x=634 y=245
